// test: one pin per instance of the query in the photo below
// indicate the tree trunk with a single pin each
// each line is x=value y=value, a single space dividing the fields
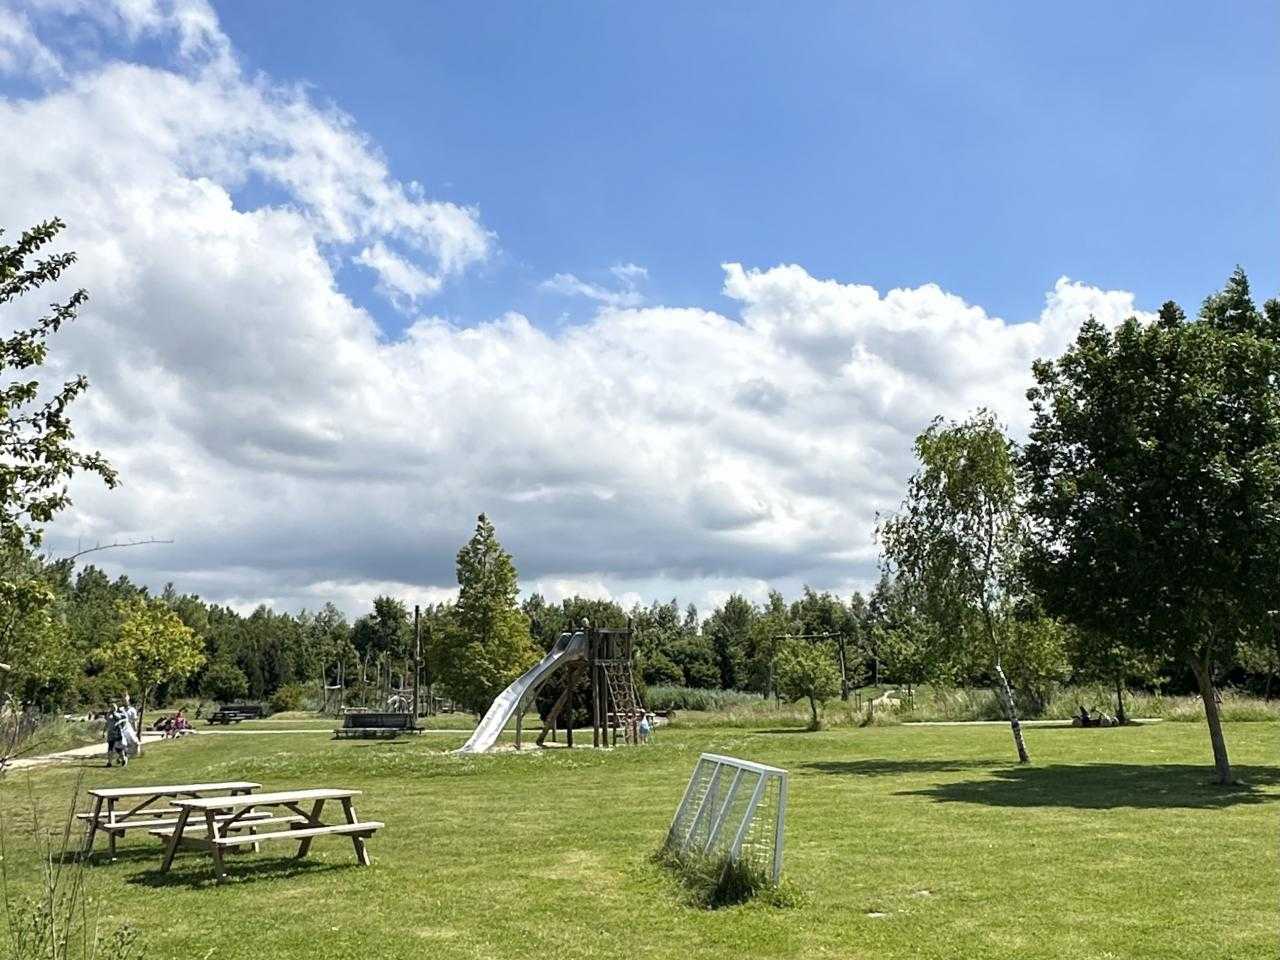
x=142 y=708
x=1203 y=671
x=1006 y=697
x=1266 y=691
x=813 y=709
x=1120 y=700
x=844 y=675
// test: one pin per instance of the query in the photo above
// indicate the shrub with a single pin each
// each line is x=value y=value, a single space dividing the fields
x=288 y=697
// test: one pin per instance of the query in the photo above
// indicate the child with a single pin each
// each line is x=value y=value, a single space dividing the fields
x=645 y=727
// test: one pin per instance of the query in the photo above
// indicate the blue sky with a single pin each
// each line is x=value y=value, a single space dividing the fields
x=987 y=147
x=667 y=290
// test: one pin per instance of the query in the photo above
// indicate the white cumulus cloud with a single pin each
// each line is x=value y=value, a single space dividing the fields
x=295 y=453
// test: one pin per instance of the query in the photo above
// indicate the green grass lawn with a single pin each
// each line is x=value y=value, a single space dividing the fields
x=1112 y=845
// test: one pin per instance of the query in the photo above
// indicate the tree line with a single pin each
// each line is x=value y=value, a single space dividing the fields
x=1133 y=537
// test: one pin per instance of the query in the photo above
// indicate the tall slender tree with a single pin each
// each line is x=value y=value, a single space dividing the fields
x=959 y=536
x=492 y=645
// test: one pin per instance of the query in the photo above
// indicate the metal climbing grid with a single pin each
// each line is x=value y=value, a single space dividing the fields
x=732 y=810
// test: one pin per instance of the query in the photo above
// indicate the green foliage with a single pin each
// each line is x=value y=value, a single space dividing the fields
x=771 y=625
x=715 y=882
x=691 y=698
x=729 y=631
x=287 y=698
x=152 y=646
x=807 y=671
x=959 y=540
x=387 y=632
x=958 y=537
x=224 y=682
x=59 y=921
x=659 y=670
x=488 y=644
x=903 y=637
x=1153 y=473
x=823 y=614
x=37 y=459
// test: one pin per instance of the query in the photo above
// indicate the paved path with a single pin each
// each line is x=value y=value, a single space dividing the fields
x=77 y=753
x=327 y=731
x=1005 y=723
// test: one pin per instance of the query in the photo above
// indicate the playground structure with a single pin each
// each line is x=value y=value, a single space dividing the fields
x=606 y=655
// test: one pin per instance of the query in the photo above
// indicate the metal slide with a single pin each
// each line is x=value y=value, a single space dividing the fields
x=570 y=646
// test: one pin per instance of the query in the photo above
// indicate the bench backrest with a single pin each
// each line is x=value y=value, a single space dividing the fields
x=243 y=709
x=377 y=721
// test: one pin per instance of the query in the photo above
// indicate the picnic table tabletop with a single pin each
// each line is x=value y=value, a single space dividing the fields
x=171 y=789
x=266 y=799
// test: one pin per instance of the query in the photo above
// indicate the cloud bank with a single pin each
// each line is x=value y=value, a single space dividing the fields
x=296 y=453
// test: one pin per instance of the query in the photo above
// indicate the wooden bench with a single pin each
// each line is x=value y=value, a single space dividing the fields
x=370 y=725
x=144 y=814
x=236 y=712
x=224 y=815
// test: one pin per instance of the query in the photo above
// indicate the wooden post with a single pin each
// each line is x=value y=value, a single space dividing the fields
x=594 y=652
x=568 y=721
x=417 y=661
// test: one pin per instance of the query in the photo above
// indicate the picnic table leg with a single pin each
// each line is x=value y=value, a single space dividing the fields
x=362 y=853
x=314 y=819
x=91 y=829
x=111 y=834
x=175 y=839
x=214 y=849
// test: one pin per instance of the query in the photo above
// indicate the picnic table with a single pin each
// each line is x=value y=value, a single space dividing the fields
x=224 y=815
x=143 y=814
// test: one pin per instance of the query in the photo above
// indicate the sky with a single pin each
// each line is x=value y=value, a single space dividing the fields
x=667 y=289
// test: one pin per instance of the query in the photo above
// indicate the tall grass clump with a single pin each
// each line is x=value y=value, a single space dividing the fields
x=719 y=881
x=60 y=922
x=693 y=698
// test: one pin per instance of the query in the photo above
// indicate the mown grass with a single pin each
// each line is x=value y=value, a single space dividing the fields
x=901 y=842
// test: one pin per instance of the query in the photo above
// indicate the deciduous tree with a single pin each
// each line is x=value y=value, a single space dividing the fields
x=807 y=671
x=153 y=646
x=959 y=536
x=1153 y=472
x=37 y=455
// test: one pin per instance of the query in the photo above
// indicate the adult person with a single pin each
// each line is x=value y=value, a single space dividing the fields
x=130 y=732
x=116 y=721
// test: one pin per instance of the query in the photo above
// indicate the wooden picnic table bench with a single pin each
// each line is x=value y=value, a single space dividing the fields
x=142 y=814
x=225 y=815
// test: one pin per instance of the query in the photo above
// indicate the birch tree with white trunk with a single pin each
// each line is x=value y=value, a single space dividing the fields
x=959 y=537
